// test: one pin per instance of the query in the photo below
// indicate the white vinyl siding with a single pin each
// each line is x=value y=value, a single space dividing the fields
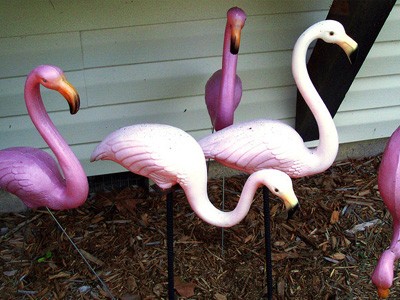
x=148 y=61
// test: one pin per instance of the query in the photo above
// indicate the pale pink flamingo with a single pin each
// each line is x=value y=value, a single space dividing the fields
x=270 y=144
x=224 y=88
x=32 y=174
x=389 y=188
x=170 y=156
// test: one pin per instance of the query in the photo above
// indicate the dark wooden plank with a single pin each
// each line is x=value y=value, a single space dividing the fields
x=329 y=67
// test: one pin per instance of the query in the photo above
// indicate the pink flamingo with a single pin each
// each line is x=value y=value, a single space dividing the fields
x=389 y=186
x=32 y=174
x=170 y=156
x=224 y=88
x=270 y=144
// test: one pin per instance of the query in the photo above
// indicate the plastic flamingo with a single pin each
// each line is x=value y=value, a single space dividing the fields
x=170 y=156
x=224 y=88
x=270 y=144
x=32 y=174
x=389 y=188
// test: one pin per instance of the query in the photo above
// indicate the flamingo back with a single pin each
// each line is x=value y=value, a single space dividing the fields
x=32 y=175
x=165 y=154
x=256 y=145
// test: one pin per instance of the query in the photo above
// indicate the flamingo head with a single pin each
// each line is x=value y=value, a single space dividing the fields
x=382 y=276
x=53 y=78
x=333 y=32
x=280 y=184
x=236 y=18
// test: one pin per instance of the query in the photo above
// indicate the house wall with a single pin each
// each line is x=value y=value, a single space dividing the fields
x=148 y=61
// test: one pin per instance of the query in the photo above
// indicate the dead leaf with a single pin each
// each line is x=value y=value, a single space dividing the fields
x=248 y=239
x=145 y=219
x=185 y=289
x=338 y=256
x=219 y=296
x=92 y=258
x=335 y=217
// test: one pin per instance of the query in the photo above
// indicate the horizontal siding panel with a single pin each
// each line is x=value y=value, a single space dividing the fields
x=372 y=92
x=177 y=41
x=152 y=43
x=286 y=6
x=27 y=17
x=134 y=83
x=19 y=55
x=22 y=17
x=190 y=114
x=391 y=29
x=383 y=59
x=12 y=95
x=367 y=124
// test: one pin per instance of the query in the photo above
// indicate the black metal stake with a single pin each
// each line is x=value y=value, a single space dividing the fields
x=268 y=251
x=170 y=244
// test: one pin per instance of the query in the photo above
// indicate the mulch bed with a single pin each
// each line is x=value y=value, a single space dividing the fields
x=122 y=234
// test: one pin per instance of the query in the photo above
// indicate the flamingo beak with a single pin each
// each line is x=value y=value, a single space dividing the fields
x=70 y=94
x=292 y=211
x=291 y=203
x=235 y=38
x=383 y=293
x=350 y=47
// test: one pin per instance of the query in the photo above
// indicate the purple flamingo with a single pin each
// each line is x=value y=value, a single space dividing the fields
x=170 y=156
x=224 y=88
x=270 y=144
x=32 y=174
x=389 y=186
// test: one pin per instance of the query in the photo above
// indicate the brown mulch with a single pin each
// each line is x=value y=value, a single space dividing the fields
x=122 y=234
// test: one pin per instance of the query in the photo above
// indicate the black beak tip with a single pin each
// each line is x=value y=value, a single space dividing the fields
x=73 y=108
x=234 y=50
x=292 y=211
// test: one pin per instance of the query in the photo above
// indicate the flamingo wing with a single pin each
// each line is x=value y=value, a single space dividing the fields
x=257 y=145
x=31 y=174
x=212 y=95
x=212 y=91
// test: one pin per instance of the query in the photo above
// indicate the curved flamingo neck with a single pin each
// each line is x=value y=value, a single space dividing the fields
x=326 y=151
x=224 y=115
x=75 y=190
x=198 y=199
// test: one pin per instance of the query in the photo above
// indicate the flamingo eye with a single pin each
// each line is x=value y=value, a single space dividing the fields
x=331 y=33
x=276 y=190
x=44 y=80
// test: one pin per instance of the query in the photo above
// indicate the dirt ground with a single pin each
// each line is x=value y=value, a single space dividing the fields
x=122 y=234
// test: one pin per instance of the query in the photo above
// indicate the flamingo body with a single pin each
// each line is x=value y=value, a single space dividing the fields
x=164 y=154
x=389 y=188
x=170 y=156
x=255 y=145
x=213 y=99
x=223 y=90
x=32 y=174
x=23 y=169
x=270 y=144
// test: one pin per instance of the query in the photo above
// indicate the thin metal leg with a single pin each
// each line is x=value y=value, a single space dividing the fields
x=268 y=254
x=170 y=245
